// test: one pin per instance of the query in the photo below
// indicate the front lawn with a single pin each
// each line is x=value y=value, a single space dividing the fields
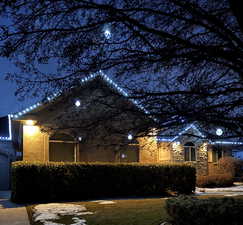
x=149 y=211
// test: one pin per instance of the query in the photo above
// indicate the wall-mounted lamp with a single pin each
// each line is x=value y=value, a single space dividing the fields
x=30 y=122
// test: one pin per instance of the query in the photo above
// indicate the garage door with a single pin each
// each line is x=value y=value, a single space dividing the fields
x=4 y=172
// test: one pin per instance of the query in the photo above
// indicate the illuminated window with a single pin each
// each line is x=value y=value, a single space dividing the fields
x=216 y=154
x=189 y=152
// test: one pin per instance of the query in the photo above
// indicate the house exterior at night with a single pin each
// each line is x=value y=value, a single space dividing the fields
x=38 y=133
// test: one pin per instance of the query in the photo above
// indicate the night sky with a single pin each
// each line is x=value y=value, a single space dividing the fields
x=8 y=102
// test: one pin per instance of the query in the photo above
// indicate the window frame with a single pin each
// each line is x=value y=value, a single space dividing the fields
x=189 y=146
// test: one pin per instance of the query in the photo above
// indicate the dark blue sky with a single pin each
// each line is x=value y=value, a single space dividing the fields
x=8 y=102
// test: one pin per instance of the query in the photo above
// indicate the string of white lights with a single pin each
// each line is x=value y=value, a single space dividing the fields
x=84 y=80
x=121 y=91
x=180 y=133
x=194 y=127
x=226 y=143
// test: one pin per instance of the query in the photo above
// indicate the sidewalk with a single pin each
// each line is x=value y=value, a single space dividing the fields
x=11 y=213
x=235 y=190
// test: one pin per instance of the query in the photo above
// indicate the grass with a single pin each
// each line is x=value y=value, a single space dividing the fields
x=130 y=212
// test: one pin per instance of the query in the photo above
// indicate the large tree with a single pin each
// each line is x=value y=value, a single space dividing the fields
x=184 y=58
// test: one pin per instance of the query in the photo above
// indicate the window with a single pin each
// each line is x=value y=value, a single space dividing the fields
x=190 y=152
x=216 y=154
x=61 y=148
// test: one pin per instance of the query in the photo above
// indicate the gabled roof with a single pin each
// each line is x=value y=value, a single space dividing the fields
x=173 y=134
x=85 y=80
x=5 y=128
x=169 y=135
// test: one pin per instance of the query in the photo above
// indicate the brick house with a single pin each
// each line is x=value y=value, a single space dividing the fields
x=59 y=129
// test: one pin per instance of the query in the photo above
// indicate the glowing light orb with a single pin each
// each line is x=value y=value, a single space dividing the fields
x=219 y=131
x=77 y=103
x=129 y=137
x=107 y=33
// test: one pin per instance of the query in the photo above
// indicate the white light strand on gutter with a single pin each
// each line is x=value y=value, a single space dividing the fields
x=9 y=138
x=226 y=143
x=124 y=93
x=10 y=127
x=28 y=109
x=182 y=132
x=194 y=127
x=84 y=80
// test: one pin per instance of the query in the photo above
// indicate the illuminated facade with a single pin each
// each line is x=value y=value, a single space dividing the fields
x=50 y=131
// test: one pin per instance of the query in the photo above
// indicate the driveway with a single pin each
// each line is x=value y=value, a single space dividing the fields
x=11 y=213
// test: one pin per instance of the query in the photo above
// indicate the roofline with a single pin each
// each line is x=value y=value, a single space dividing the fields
x=85 y=80
x=192 y=125
x=226 y=143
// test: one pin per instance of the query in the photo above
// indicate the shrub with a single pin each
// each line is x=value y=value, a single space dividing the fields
x=212 y=211
x=75 y=181
x=217 y=180
x=229 y=165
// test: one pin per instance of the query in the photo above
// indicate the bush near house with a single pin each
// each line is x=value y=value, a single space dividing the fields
x=217 y=180
x=75 y=181
x=230 y=165
x=214 y=211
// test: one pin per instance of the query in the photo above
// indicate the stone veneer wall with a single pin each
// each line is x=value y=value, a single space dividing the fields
x=201 y=162
x=148 y=150
x=152 y=151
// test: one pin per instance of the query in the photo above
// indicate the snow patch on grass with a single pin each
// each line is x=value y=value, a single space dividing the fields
x=78 y=221
x=53 y=211
x=106 y=202
x=226 y=191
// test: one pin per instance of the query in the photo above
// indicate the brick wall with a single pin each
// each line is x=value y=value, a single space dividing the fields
x=35 y=144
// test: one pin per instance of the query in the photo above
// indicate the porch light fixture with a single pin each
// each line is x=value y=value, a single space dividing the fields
x=77 y=103
x=31 y=130
x=79 y=138
x=219 y=131
x=129 y=137
x=30 y=122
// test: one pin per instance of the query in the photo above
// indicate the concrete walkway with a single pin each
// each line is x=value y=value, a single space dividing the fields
x=11 y=213
x=235 y=190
